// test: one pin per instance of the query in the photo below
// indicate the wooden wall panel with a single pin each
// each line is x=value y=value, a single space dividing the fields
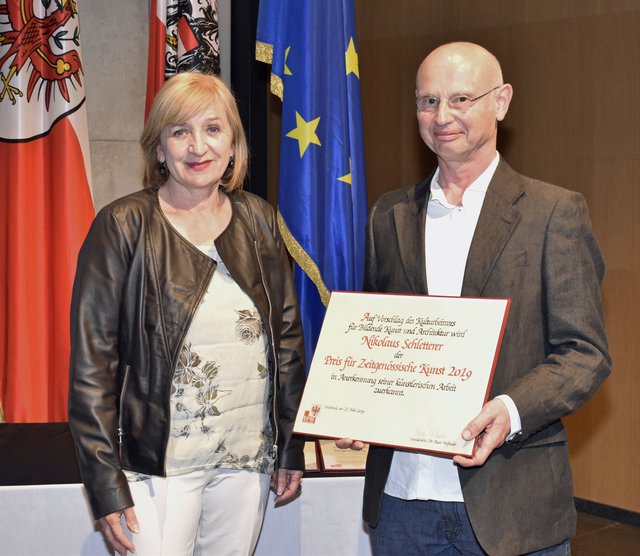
x=574 y=121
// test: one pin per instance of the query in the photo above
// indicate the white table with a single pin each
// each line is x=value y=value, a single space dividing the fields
x=54 y=520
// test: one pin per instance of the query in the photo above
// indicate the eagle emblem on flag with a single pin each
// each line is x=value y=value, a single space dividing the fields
x=192 y=37
x=39 y=61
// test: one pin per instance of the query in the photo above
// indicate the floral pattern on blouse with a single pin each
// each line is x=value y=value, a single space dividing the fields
x=191 y=372
x=248 y=326
x=196 y=396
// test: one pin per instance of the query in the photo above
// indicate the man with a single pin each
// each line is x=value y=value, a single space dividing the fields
x=477 y=228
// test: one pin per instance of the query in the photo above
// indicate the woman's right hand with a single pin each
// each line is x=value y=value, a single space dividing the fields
x=345 y=443
x=113 y=531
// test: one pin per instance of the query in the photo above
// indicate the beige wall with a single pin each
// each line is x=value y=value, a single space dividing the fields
x=114 y=54
x=574 y=121
x=114 y=37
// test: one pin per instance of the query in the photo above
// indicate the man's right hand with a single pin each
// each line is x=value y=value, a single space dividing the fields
x=114 y=533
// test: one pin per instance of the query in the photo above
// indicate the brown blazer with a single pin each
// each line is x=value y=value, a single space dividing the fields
x=533 y=244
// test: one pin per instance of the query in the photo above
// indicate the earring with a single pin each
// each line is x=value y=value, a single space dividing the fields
x=229 y=170
x=163 y=170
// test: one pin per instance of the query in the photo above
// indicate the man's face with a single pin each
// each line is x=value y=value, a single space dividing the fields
x=459 y=136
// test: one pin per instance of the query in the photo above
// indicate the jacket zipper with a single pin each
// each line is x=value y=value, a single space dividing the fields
x=175 y=364
x=275 y=361
x=194 y=308
x=127 y=368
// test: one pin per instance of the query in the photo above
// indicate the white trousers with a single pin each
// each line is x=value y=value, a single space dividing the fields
x=206 y=512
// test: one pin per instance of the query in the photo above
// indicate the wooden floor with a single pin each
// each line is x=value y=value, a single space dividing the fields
x=597 y=536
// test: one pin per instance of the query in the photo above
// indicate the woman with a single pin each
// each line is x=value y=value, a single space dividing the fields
x=187 y=359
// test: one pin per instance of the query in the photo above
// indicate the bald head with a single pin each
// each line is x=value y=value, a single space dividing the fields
x=473 y=61
x=461 y=99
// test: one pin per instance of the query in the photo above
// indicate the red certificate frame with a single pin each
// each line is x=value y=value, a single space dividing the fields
x=403 y=371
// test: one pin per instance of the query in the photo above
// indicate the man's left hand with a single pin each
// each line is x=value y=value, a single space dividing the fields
x=491 y=427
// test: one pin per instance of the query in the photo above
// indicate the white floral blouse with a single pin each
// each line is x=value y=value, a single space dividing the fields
x=219 y=397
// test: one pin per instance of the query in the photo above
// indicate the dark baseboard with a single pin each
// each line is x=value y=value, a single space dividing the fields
x=608 y=512
x=37 y=454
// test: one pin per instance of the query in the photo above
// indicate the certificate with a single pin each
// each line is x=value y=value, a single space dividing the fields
x=311 y=462
x=402 y=370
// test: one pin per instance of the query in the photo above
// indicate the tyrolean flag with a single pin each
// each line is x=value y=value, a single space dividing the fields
x=45 y=202
x=183 y=36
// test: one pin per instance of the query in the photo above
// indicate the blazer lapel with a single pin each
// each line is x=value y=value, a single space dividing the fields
x=409 y=220
x=497 y=221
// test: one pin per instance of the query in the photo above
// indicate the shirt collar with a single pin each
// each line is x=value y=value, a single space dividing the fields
x=474 y=194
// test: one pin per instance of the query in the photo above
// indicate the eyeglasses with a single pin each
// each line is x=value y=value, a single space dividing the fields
x=457 y=103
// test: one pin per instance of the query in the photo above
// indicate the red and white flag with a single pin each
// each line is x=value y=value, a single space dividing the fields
x=183 y=36
x=45 y=201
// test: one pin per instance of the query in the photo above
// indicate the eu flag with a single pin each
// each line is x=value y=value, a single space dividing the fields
x=322 y=203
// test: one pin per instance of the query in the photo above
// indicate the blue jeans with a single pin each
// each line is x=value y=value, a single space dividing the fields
x=430 y=528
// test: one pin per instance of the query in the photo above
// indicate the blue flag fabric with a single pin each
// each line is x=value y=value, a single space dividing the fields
x=322 y=202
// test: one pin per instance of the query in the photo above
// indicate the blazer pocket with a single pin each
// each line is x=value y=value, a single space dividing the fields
x=509 y=272
x=513 y=259
x=550 y=436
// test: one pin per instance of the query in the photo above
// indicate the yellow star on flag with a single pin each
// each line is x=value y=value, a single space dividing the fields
x=305 y=133
x=351 y=59
x=347 y=177
x=287 y=71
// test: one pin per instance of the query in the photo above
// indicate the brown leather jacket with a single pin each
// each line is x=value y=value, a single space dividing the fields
x=137 y=286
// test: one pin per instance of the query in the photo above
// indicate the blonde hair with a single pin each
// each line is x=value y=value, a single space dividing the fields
x=182 y=97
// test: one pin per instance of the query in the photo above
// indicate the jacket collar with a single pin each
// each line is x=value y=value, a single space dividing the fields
x=409 y=220
x=498 y=219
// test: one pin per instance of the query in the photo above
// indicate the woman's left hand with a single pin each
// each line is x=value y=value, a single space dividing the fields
x=287 y=484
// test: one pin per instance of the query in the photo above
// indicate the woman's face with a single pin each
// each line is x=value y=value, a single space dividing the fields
x=197 y=151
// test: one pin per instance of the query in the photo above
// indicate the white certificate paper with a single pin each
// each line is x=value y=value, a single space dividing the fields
x=402 y=370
